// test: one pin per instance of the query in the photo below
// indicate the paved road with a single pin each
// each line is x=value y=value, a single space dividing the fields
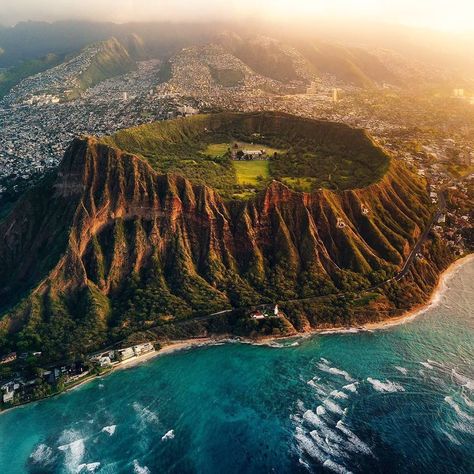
x=402 y=273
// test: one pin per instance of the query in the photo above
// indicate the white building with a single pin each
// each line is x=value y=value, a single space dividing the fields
x=127 y=353
x=143 y=348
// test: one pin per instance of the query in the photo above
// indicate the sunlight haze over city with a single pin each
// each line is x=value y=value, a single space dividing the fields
x=454 y=16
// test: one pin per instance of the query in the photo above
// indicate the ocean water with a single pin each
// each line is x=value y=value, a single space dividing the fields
x=394 y=400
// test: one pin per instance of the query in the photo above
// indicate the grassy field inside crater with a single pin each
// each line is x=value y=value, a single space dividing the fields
x=306 y=155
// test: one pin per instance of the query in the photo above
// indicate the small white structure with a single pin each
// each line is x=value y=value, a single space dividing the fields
x=365 y=210
x=127 y=353
x=257 y=315
x=140 y=349
x=340 y=223
x=104 y=361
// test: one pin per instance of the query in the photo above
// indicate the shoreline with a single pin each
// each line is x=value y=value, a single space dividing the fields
x=407 y=316
x=435 y=297
x=184 y=344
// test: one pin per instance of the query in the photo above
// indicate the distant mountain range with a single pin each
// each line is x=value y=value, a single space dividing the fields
x=32 y=47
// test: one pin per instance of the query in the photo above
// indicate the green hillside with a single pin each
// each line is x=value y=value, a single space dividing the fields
x=13 y=76
x=304 y=160
x=107 y=249
x=112 y=60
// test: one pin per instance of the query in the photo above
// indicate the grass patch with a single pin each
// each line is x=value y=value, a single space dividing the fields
x=227 y=77
x=251 y=172
x=303 y=154
x=220 y=149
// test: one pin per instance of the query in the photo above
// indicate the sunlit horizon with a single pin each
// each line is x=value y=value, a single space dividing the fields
x=456 y=16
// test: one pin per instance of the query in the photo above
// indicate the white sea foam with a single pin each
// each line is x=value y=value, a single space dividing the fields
x=463 y=380
x=451 y=438
x=326 y=367
x=332 y=406
x=339 y=394
x=304 y=463
x=331 y=449
x=73 y=449
x=320 y=410
x=323 y=428
x=89 y=467
x=110 y=430
x=168 y=435
x=352 y=387
x=317 y=387
x=386 y=386
x=427 y=365
x=42 y=455
x=137 y=469
x=306 y=444
x=145 y=414
x=333 y=466
x=402 y=370
x=353 y=438
x=467 y=401
x=300 y=405
x=464 y=427
x=312 y=418
x=461 y=413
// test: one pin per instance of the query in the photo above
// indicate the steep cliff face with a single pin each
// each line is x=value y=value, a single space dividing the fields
x=109 y=244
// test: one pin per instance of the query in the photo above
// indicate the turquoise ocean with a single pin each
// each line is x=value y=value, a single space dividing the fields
x=399 y=400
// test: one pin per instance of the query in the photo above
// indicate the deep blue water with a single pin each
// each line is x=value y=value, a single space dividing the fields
x=394 y=400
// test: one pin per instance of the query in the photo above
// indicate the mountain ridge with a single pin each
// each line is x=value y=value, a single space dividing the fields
x=132 y=248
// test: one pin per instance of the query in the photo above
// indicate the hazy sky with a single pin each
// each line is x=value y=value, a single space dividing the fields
x=452 y=15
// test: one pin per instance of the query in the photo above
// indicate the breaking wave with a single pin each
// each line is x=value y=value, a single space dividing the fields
x=89 y=467
x=334 y=407
x=463 y=380
x=168 y=435
x=352 y=387
x=42 y=454
x=339 y=394
x=74 y=448
x=145 y=414
x=318 y=387
x=402 y=370
x=386 y=387
x=325 y=366
x=460 y=412
x=137 y=469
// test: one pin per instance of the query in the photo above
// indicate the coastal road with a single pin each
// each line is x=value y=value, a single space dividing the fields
x=402 y=273
x=439 y=211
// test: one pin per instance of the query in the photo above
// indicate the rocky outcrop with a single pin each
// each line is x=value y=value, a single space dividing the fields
x=108 y=219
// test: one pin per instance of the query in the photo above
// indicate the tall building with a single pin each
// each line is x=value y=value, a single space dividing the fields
x=335 y=96
x=125 y=96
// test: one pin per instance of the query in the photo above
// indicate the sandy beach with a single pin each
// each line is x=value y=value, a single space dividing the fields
x=174 y=346
x=441 y=287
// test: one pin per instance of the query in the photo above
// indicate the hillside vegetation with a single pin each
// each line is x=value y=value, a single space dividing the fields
x=109 y=249
x=112 y=60
x=13 y=76
x=322 y=154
